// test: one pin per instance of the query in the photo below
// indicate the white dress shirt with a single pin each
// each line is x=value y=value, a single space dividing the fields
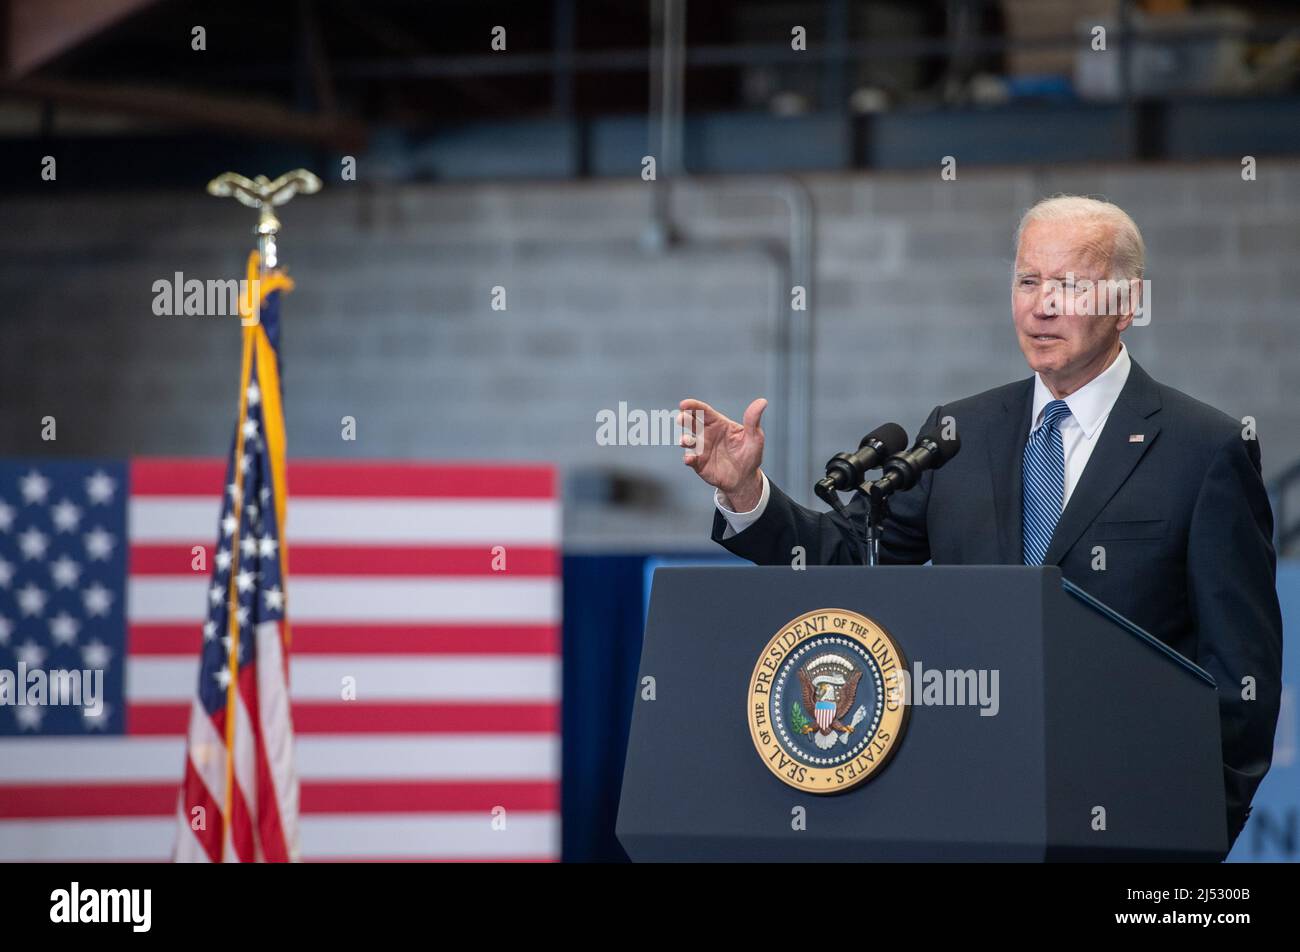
x=1090 y=405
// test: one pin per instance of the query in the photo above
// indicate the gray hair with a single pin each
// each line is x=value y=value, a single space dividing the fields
x=1126 y=254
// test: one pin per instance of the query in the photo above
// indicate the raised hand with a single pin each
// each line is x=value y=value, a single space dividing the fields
x=724 y=453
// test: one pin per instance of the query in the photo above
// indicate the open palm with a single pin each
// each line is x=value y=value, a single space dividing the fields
x=724 y=453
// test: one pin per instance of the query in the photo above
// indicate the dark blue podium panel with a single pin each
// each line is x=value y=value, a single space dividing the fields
x=1104 y=744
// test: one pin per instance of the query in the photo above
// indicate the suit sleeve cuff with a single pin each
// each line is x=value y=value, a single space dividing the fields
x=738 y=522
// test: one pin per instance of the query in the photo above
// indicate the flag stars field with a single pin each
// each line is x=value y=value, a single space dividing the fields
x=61 y=588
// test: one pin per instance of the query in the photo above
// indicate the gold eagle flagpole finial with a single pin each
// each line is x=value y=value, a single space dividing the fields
x=265 y=194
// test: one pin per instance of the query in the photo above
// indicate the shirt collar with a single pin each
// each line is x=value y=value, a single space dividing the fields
x=1091 y=403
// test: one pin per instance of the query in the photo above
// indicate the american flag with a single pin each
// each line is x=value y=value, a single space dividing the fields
x=393 y=584
x=239 y=797
x=425 y=678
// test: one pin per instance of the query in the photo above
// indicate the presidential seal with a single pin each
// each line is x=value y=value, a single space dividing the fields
x=825 y=703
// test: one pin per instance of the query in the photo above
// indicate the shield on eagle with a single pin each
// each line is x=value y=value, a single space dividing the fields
x=830 y=684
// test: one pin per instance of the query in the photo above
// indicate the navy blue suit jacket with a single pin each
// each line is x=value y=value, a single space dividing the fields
x=1182 y=515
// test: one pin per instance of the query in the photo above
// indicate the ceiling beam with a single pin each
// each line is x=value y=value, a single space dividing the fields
x=239 y=116
x=36 y=31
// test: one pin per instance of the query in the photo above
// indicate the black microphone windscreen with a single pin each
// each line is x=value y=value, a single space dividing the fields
x=893 y=436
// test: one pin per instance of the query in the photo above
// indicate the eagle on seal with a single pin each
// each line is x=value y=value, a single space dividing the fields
x=829 y=695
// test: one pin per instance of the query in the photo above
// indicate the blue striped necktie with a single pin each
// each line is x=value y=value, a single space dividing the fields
x=1043 y=485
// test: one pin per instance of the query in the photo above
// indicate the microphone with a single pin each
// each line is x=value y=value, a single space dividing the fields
x=903 y=470
x=844 y=471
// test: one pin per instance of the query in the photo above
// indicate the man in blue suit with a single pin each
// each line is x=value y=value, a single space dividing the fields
x=1146 y=498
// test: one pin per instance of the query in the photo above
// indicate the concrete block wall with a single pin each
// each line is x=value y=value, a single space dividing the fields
x=392 y=320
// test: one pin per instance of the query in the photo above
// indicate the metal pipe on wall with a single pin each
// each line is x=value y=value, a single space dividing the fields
x=789 y=428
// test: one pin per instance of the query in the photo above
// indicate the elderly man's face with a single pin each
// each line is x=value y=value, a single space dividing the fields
x=1056 y=265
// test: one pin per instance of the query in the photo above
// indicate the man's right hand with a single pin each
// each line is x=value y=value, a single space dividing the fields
x=724 y=453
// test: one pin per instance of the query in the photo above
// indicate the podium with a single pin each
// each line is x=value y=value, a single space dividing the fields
x=1104 y=746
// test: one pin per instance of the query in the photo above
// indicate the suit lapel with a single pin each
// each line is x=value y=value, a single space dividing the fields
x=1112 y=460
x=1006 y=442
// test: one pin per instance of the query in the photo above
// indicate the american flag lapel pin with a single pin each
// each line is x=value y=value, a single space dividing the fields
x=1136 y=437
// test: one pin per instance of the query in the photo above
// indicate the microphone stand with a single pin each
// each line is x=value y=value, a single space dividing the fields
x=877 y=513
x=827 y=494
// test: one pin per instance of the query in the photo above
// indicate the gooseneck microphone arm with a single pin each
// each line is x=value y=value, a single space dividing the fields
x=862 y=543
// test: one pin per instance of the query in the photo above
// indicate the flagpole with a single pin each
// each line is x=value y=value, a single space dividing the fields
x=258 y=351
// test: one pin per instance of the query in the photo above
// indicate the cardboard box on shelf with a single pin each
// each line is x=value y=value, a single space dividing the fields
x=1046 y=20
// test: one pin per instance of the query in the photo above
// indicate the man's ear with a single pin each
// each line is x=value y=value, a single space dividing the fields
x=1132 y=301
